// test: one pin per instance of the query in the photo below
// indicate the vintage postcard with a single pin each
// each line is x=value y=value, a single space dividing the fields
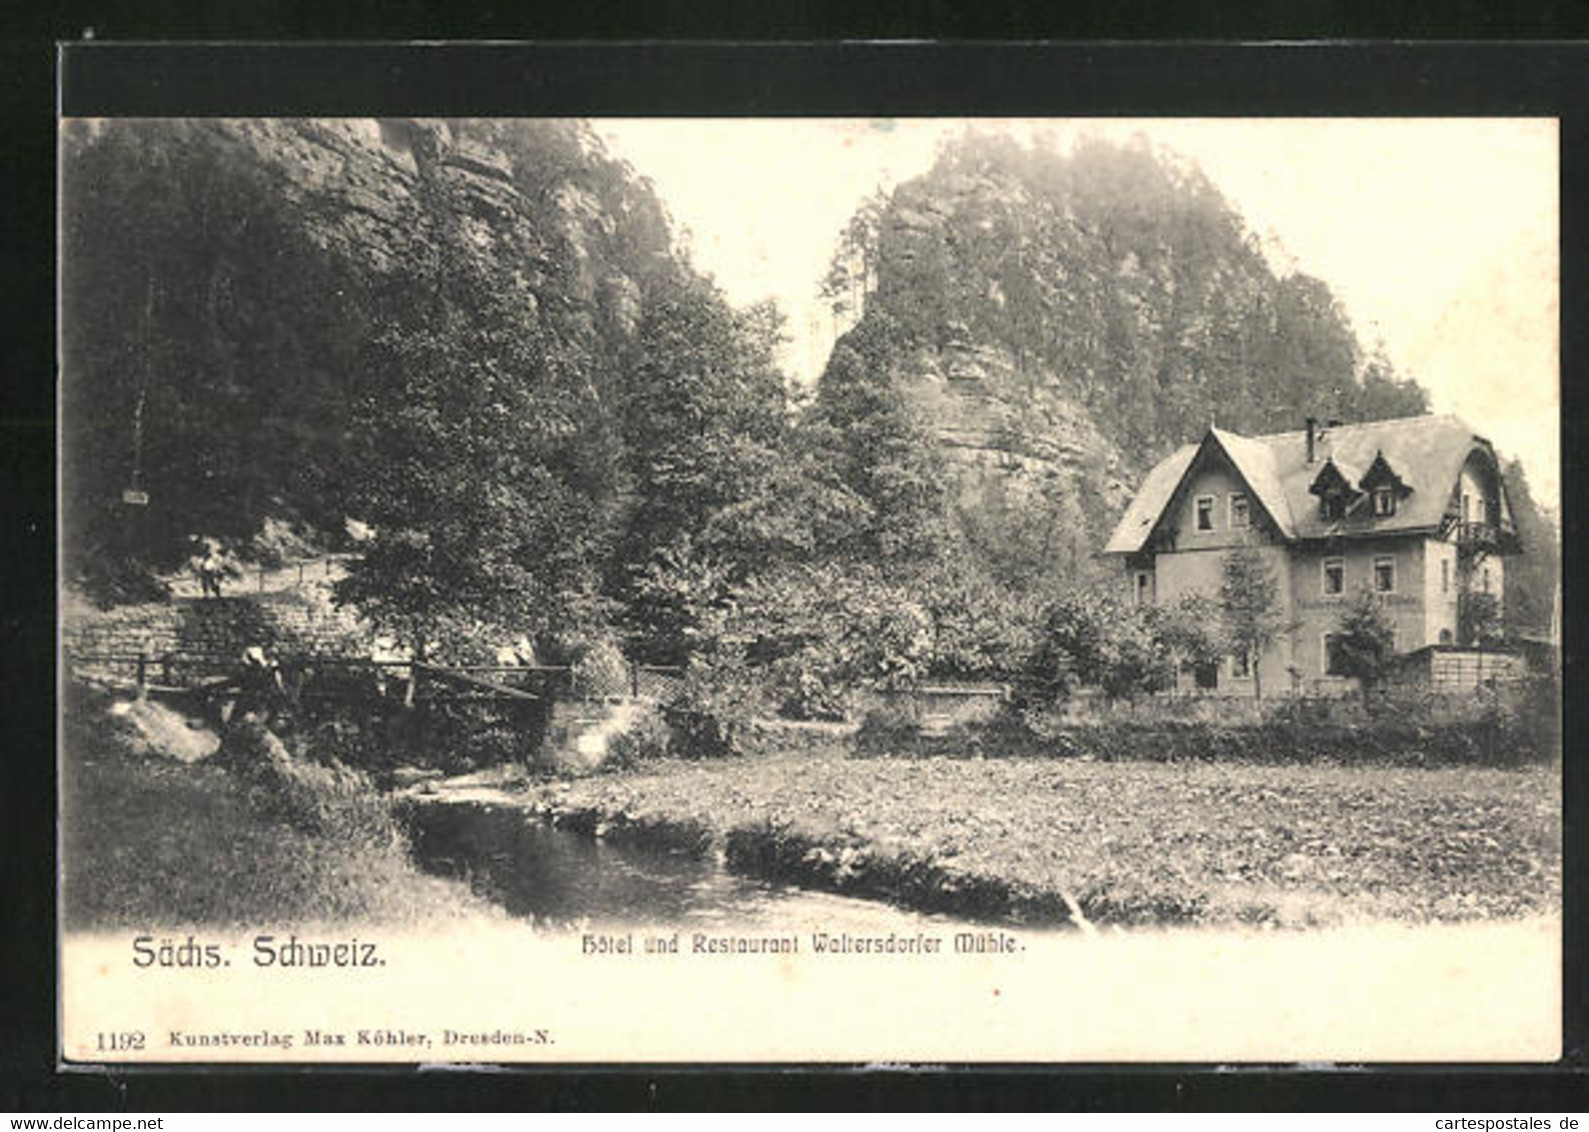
x=841 y=590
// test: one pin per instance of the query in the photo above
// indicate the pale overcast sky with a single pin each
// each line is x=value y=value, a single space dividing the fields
x=1439 y=236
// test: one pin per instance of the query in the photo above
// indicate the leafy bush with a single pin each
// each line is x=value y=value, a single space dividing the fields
x=1092 y=639
x=982 y=630
x=805 y=686
x=710 y=716
x=1506 y=731
x=1365 y=638
x=647 y=739
x=349 y=740
x=820 y=632
x=599 y=670
x=889 y=726
x=327 y=798
x=1478 y=617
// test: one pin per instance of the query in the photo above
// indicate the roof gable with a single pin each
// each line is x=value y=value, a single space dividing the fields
x=1166 y=485
x=1381 y=474
x=1333 y=479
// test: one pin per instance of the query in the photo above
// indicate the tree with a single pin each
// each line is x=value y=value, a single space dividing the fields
x=852 y=272
x=1533 y=576
x=1191 y=630
x=206 y=344
x=1365 y=641
x=1478 y=618
x=883 y=445
x=819 y=632
x=723 y=482
x=1090 y=639
x=1249 y=601
x=481 y=465
x=982 y=629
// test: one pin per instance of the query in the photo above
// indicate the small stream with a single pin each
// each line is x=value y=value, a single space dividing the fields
x=555 y=876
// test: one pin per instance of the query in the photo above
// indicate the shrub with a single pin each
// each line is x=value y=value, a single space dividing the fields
x=1091 y=639
x=118 y=581
x=325 y=798
x=647 y=739
x=893 y=724
x=819 y=633
x=806 y=686
x=1478 y=618
x=710 y=716
x=1365 y=639
x=599 y=670
x=1506 y=731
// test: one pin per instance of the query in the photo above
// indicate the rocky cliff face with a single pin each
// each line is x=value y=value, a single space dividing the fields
x=1008 y=430
x=1065 y=320
x=365 y=187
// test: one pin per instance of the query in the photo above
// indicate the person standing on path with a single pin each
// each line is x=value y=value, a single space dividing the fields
x=210 y=573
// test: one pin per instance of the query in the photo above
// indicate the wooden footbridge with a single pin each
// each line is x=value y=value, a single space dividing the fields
x=297 y=678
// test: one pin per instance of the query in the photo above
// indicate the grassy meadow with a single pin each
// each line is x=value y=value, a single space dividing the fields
x=1128 y=842
x=151 y=841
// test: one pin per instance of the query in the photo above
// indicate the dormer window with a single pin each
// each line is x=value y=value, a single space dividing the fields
x=1384 y=487
x=1335 y=491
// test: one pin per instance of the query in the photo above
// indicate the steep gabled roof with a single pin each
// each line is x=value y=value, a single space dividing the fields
x=1426 y=452
x=1132 y=531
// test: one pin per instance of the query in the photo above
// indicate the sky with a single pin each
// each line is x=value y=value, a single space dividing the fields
x=1439 y=236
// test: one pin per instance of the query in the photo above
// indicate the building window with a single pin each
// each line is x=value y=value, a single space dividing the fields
x=1334 y=577
x=1142 y=593
x=1239 y=516
x=1467 y=506
x=1445 y=636
x=1384 y=502
x=1334 y=655
x=1205 y=512
x=1484 y=579
x=1445 y=575
x=1385 y=574
x=1240 y=665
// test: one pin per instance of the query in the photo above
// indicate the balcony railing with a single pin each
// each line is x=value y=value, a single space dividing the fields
x=1477 y=534
x=1483 y=536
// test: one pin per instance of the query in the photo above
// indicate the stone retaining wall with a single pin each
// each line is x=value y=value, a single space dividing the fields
x=191 y=638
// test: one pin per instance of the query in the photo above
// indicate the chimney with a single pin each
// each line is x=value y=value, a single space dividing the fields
x=1312 y=427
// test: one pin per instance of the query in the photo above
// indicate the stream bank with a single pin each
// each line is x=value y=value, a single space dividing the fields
x=1068 y=841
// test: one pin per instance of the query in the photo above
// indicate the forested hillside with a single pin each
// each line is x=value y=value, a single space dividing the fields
x=1072 y=317
x=481 y=341
x=447 y=330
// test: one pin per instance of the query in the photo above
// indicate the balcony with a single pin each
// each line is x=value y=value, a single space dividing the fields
x=1484 y=537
